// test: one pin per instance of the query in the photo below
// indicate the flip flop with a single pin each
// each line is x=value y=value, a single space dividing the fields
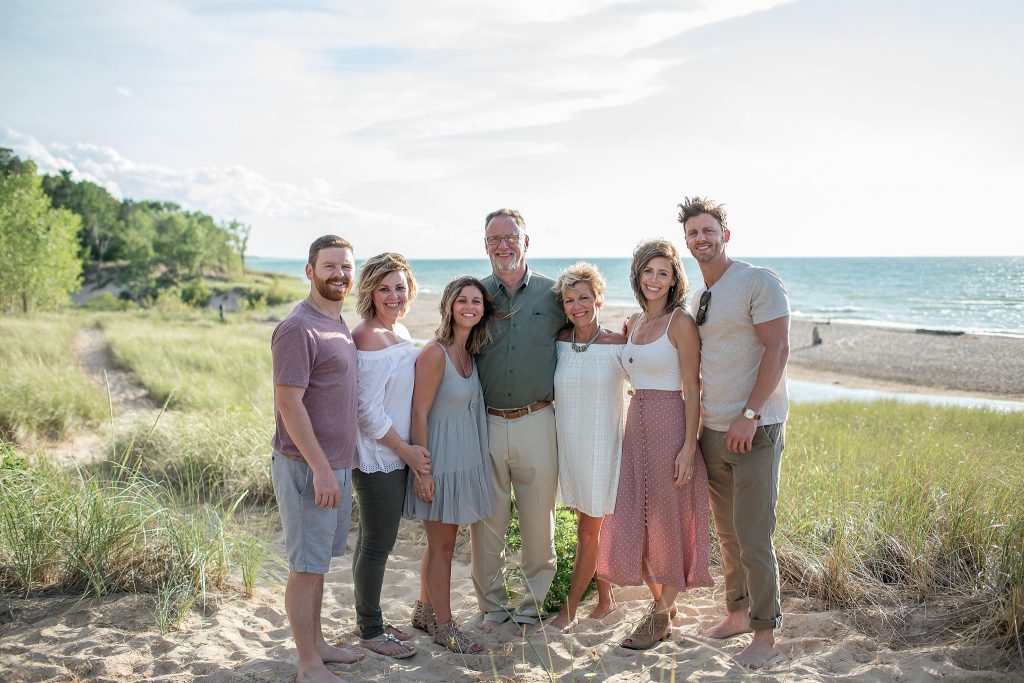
x=379 y=643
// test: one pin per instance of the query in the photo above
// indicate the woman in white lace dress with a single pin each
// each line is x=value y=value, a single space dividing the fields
x=589 y=419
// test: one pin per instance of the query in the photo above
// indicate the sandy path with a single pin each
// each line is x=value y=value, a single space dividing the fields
x=127 y=398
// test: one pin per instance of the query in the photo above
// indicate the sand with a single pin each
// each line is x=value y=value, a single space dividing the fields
x=235 y=639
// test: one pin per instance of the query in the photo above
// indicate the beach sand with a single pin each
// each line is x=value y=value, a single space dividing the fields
x=235 y=639
x=860 y=356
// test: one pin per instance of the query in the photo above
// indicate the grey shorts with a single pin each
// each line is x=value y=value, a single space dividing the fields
x=312 y=535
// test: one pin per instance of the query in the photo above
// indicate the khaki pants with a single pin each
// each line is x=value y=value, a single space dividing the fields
x=524 y=459
x=744 y=490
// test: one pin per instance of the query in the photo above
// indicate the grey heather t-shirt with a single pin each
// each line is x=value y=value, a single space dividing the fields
x=730 y=351
x=314 y=351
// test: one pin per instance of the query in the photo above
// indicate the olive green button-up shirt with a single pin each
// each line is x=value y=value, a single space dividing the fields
x=517 y=368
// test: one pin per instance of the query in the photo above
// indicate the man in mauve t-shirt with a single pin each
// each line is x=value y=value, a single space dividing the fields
x=742 y=315
x=314 y=445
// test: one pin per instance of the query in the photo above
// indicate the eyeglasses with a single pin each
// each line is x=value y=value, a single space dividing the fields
x=510 y=240
x=702 y=310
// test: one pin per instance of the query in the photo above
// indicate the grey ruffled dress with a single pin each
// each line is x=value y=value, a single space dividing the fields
x=460 y=461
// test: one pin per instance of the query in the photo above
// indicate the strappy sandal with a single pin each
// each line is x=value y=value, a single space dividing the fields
x=386 y=641
x=448 y=635
x=423 y=618
x=652 y=629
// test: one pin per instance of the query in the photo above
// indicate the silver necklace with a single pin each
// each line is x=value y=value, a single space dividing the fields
x=462 y=370
x=580 y=348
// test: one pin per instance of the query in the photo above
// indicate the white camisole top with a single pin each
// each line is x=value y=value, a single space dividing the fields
x=654 y=365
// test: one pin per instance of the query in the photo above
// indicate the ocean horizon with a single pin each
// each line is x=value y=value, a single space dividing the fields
x=970 y=294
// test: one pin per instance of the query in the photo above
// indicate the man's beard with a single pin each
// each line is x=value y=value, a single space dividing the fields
x=324 y=288
x=509 y=264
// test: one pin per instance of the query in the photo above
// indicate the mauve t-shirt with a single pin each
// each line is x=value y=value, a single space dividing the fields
x=314 y=351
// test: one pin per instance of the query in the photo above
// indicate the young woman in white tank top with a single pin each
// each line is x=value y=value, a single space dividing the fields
x=662 y=481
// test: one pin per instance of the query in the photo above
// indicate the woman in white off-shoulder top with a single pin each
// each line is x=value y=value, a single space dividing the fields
x=386 y=359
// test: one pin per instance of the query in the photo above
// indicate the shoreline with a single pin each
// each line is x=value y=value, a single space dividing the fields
x=885 y=359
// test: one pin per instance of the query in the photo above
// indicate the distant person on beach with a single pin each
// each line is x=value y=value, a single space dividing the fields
x=742 y=314
x=314 y=366
x=659 y=532
x=448 y=418
x=517 y=371
x=590 y=386
x=386 y=359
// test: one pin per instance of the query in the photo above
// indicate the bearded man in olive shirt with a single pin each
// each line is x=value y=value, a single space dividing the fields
x=517 y=372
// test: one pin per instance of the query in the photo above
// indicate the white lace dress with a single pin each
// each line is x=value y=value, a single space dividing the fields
x=590 y=400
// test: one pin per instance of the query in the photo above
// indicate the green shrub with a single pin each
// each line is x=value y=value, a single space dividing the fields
x=105 y=301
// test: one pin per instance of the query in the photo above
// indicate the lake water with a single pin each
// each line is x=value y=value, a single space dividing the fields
x=983 y=295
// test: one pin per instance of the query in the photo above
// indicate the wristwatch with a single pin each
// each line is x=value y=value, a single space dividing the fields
x=751 y=415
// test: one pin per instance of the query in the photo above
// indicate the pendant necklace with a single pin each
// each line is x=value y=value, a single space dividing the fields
x=643 y=319
x=580 y=348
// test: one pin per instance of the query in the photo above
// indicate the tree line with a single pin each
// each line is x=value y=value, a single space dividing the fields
x=54 y=229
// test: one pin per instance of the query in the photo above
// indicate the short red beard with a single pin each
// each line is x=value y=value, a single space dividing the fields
x=325 y=290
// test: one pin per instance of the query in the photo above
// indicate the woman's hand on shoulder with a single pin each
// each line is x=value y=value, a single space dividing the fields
x=629 y=323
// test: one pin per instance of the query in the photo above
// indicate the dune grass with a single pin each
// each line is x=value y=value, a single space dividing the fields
x=199 y=364
x=43 y=392
x=62 y=531
x=886 y=504
x=204 y=456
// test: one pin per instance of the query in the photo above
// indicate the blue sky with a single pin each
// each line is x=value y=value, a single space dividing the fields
x=827 y=127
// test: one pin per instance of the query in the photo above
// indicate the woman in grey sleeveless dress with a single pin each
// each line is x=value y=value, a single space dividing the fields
x=448 y=419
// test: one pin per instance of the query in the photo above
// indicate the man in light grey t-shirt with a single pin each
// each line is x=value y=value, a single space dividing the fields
x=742 y=315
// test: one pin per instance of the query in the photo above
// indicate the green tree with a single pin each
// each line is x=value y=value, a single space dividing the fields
x=38 y=244
x=103 y=231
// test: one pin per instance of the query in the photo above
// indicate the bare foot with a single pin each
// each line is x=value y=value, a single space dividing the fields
x=488 y=626
x=758 y=653
x=560 y=622
x=733 y=625
x=601 y=611
x=317 y=675
x=341 y=655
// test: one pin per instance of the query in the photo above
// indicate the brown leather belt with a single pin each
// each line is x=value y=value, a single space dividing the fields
x=517 y=412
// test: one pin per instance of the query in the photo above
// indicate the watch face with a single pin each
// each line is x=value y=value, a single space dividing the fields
x=749 y=414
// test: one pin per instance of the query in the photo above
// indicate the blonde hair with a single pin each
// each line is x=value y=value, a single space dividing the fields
x=644 y=252
x=480 y=335
x=577 y=273
x=375 y=269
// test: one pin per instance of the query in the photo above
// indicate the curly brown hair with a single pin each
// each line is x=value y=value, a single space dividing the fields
x=643 y=253
x=375 y=269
